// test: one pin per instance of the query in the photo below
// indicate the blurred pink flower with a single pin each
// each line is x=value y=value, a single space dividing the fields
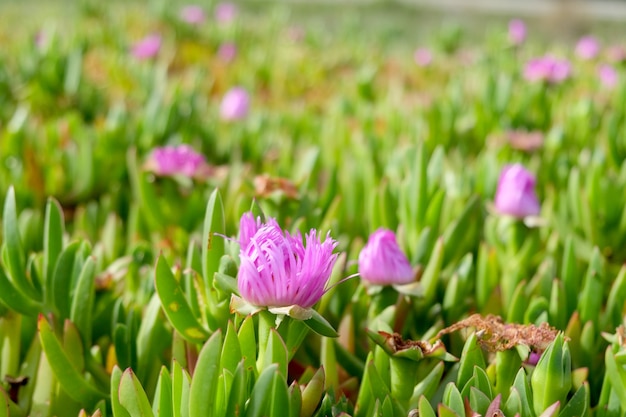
x=280 y=270
x=176 y=160
x=227 y=51
x=616 y=53
x=608 y=75
x=148 y=47
x=225 y=12
x=193 y=14
x=423 y=57
x=382 y=262
x=295 y=33
x=517 y=31
x=547 y=68
x=515 y=195
x=587 y=47
x=235 y=104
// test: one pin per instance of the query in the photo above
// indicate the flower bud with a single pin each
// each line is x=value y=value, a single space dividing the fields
x=515 y=195
x=381 y=262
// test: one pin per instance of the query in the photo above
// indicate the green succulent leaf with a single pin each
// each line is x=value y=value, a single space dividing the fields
x=175 y=304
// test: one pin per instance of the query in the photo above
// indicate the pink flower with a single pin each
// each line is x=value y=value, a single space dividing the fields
x=515 y=195
x=235 y=104
x=616 y=53
x=295 y=33
x=423 y=57
x=248 y=226
x=547 y=68
x=608 y=75
x=279 y=270
x=227 y=52
x=148 y=47
x=587 y=47
x=176 y=160
x=517 y=31
x=193 y=14
x=382 y=262
x=225 y=12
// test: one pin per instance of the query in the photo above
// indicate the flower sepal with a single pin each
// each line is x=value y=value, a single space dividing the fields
x=239 y=305
x=308 y=316
x=412 y=289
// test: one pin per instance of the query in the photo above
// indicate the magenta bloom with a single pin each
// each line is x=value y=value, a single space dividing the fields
x=423 y=57
x=148 y=47
x=616 y=53
x=278 y=270
x=235 y=104
x=225 y=12
x=176 y=160
x=515 y=195
x=193 y=14
x=587 y=47
x=382 y=262
x=517 y=31
x=548 y=69
x=607 y=75
x=227 y=52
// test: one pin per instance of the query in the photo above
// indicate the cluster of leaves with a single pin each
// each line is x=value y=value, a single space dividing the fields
x=114 y=294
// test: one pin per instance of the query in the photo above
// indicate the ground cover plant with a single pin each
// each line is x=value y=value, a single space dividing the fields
x=211 y=210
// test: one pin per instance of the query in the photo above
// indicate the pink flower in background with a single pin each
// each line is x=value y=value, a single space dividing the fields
x=176 y=160
x=382 y=262
x=235 y=104
x=41 y=39
x=280 y=270
x=517 y=31
x=225 y=12
x=423 y=57
x=148 y=47
x=547 y=68
x=227 y=52
x=515 y=195
x=616 y=53
x=193 y=14
x=295 y=33
x=587 y=47
x=608 y=75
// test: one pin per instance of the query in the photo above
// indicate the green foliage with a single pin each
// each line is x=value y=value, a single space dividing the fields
x=118 y=285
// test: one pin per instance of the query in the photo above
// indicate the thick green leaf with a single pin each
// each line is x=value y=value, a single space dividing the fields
x=276 y=352
x=452 y=398
x=238 y=391
x=320 y=325
x=312 y=393
x=15 y=260
x=61 y=280
x=247 y=342
x=471 y=356
x=83 y=301
x=162 y=405
x=279 y=396
x=424 y=408
x=175 y=304
x=52 y=244
x=428 y=385
x=260 y=396
x=133 y=397
x=212 y=246
x=579 y=404
x=14 y=299
x=202 y=395
x=431 y=277
x=479 y=401
x=76 y=386
x=181 y=384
